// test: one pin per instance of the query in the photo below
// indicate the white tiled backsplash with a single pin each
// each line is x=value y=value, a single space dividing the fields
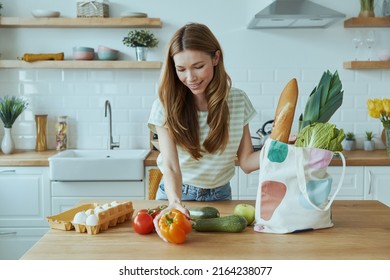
x=260 y=62
x=80 y=94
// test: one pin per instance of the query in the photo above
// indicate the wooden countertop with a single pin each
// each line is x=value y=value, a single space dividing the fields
x=26 y=158
x=33 y=158
x=361 y=232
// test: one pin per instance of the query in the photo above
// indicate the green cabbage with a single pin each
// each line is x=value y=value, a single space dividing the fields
x=321 y=135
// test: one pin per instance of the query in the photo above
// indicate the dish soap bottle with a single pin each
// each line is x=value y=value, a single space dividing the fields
x=62 y=133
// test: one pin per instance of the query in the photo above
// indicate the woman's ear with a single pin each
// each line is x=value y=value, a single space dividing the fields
x=216 y=57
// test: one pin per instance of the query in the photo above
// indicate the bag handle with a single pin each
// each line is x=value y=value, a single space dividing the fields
x=302 y=180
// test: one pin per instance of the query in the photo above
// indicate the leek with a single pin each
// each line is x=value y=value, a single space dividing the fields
x=323 y=101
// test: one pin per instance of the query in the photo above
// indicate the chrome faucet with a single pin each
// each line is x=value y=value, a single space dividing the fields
x=111 y=144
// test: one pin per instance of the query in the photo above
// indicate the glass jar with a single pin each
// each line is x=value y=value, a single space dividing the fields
x=41 y=142
x=62 y=133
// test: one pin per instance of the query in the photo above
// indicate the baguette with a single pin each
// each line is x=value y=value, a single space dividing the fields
x=285 y=111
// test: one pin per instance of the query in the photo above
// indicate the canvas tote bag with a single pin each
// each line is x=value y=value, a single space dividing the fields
x=294 y=188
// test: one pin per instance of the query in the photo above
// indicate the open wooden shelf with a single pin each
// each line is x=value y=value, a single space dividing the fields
x=61 y=22
x=85 y=64
x=366 y=65
x=367 y=22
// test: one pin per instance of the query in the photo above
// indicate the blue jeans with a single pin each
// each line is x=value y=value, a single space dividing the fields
x=194 y=193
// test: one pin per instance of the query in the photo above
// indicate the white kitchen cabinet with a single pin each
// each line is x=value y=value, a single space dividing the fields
x=65 y=195
x=353 y=184
x=234 y=182
x=24 y=206
x=376 y=180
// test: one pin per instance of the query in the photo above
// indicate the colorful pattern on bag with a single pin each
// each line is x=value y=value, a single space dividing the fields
x=281 y=205
x=272 y=194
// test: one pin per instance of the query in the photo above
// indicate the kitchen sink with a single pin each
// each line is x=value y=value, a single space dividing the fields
x=98 y=165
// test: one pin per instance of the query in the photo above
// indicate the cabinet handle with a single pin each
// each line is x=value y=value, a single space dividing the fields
x=369 y=182
x=7 y=170
x=8 y=232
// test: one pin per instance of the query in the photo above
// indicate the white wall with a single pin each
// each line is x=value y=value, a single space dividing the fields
x=259 y=61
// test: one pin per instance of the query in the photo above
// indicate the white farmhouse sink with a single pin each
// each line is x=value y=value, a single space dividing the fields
x=98 y=165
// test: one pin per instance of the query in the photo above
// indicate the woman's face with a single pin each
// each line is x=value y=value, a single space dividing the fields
x=195 y=69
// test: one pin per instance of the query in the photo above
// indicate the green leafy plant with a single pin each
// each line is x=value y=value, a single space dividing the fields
x=323 y=101
x=369 y=135
x=140 y=38
x=350 y=136
x=11 y=108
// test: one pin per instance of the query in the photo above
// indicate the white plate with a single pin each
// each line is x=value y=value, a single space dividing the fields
x=132 y=14
x=38 y=13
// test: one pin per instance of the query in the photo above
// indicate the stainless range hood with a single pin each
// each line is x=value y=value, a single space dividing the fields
x=294 y=14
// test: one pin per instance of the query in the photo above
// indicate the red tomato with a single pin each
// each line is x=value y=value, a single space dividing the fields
x=143 y=223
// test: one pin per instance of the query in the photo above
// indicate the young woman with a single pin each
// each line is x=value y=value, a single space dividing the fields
x=200 y=120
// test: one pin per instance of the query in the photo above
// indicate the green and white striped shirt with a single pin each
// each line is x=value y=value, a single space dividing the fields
x=212 y=170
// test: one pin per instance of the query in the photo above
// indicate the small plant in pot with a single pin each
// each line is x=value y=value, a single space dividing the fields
x=350 y=141
x=369 y=143
x=141 y=40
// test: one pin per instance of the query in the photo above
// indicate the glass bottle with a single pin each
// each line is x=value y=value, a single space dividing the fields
x=41 y=142
x=62 y=133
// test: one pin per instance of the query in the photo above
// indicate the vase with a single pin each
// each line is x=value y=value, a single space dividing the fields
x=141 y=53
x=41 y=142
x=366 y=13
x=387 y=143
x=369 y=145
x=7 y=144
x=349 y=145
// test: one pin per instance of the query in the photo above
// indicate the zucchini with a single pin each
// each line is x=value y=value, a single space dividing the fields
x=205 y=212
x=233 y=223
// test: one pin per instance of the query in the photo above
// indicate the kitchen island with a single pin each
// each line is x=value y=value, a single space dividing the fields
x=361 y=232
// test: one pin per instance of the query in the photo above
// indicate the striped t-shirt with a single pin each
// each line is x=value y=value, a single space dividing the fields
x=212 y=170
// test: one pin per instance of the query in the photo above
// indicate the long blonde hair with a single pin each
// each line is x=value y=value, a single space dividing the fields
x=178 y=101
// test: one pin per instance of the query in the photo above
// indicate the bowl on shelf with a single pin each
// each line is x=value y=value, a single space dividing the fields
x=105 y=53
x=383 y=54
x=83 y=53
x=38 y=13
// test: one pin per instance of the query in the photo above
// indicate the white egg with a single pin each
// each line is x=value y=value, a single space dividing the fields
x=114 y=203
x=80 y=218
x=89 y=212
x=92 y=220
x=106 y=206
x=98 y=209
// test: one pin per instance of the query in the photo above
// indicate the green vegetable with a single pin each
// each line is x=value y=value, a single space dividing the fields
x=323 y=101
x=322 y=136
x=206 y=212
x=233 y=223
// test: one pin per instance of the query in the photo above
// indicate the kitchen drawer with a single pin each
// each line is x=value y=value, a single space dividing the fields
x=98 y=189
x=15 y=242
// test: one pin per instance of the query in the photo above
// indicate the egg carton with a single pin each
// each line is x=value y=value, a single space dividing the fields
x=107 y=218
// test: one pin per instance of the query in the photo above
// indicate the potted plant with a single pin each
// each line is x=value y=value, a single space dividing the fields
x=350 y=141
x=141 y=40
x=369 y=144
x=10 y=109
x=366 y=8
